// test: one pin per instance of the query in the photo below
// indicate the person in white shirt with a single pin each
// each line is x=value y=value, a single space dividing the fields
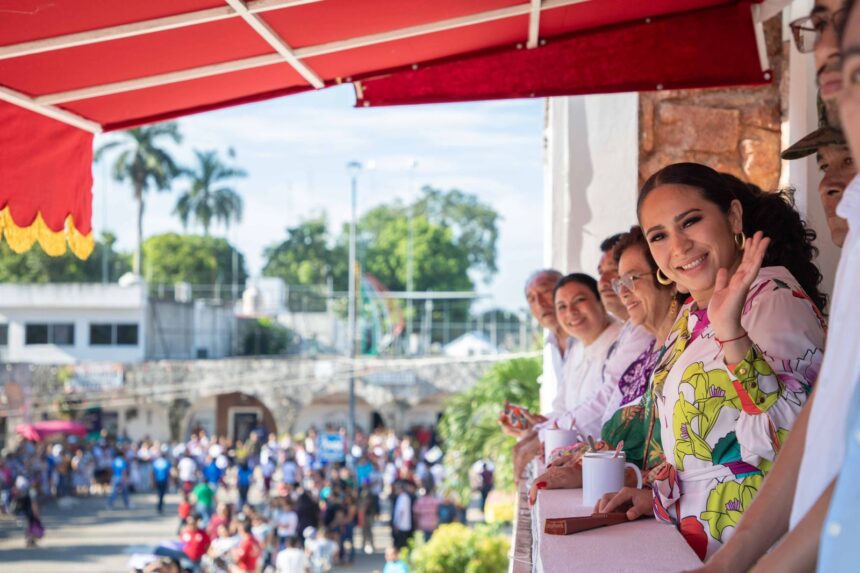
x=583 y=317
x=401 y=516
x=292 y=559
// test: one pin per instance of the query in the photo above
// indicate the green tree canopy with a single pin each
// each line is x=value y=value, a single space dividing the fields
x=453 y=234
x=35 y=266
x=195 y=259
x=305 y=257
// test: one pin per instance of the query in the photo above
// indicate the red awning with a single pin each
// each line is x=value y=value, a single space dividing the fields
x=41 y=430
x=102 y=65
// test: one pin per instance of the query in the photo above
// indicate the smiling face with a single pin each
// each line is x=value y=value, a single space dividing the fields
x=580 y=313
x=646 y=302
x=849 y=100
x=539 y=297
x=690 y=237
x=608 y=271
x=837 y=165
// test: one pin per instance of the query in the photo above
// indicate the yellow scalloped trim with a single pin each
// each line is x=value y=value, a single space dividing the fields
x=21 y=239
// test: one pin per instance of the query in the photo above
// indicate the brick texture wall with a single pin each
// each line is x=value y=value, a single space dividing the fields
x=734 y=130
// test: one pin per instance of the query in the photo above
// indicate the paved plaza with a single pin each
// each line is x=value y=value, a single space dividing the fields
x=84 y=536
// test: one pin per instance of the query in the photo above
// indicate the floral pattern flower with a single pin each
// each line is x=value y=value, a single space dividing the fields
x=722 y=427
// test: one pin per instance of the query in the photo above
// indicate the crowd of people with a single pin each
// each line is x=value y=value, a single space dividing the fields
x=706 y=351
x=268 y=503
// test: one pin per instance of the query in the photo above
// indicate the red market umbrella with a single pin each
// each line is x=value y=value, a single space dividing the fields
x=69 y=69
x=40 y=430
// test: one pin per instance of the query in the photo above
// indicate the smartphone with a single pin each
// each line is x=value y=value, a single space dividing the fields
x=516 y=416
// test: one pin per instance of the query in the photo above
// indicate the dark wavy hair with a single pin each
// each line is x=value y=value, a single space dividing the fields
x=772 y=213
x=581 y=278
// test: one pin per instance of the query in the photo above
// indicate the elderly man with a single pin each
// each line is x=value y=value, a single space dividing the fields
x=805 y=470
x=557 y=349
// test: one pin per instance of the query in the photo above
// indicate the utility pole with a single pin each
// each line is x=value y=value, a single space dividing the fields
x=354 y=167
x=410 y=260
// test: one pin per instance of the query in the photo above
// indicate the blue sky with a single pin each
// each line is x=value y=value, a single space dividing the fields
x=295 y=150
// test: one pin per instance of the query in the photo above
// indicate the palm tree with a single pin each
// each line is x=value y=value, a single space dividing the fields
x=208 y=198
x=145 y=164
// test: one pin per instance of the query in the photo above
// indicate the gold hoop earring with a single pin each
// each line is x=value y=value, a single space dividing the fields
x=663 y=279
x=742 y=242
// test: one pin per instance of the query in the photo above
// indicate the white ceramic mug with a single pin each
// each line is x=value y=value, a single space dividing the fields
x=557 y=438
x=603 y=473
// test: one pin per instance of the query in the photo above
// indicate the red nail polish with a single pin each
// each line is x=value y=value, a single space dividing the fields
x=540 y=484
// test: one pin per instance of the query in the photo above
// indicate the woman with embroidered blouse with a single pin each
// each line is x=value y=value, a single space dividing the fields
x=626 y=413
x=744 y=351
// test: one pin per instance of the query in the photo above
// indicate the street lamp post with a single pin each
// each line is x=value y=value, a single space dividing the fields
x=410 y=257
x=354 y=167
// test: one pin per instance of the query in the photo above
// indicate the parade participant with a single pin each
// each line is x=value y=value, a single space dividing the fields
x=743 y=354
x=24 y=503
x=119 y=479
x=161 y=477
x=195 y=541
x=292 y=559
x=248 y=552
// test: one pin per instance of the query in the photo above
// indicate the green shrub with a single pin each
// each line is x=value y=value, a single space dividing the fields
x=455 y=548
x=469 y=426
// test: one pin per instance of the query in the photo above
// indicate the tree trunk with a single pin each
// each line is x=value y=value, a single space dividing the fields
x=138 y=252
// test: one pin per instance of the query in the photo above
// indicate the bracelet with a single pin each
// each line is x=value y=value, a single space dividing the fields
x=721 y=342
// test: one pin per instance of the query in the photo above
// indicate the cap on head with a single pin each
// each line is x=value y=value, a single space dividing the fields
x=826 y=134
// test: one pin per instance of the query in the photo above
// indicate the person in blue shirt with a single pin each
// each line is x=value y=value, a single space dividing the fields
x=213 y=473
x=393 y=563
x=161 y=476
x=119 y=479
x=245 y=474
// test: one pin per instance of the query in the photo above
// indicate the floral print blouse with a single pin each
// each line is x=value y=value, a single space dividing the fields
x=721 y=425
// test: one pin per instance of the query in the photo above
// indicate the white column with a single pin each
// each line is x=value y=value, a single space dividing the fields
x=591 y=181
x=802 y=174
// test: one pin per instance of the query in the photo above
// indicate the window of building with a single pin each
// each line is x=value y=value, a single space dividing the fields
x=36 y=334
x=62 y=334
x=126 y=334
x=101 y=334
x=4 y=335
x=106 y=334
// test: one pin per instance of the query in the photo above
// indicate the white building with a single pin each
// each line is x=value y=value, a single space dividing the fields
x=89 y=322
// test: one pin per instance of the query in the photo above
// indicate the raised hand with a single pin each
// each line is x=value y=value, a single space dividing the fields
x=730 y=292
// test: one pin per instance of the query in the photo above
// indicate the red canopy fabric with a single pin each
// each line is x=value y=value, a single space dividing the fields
x=105 y=65
x=41 y=430
x=45 y=183
x=622 y=58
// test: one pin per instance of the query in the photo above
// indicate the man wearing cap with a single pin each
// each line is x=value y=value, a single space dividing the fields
x=835 y=163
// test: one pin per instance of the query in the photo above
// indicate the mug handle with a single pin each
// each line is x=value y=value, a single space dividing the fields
x=638 y=474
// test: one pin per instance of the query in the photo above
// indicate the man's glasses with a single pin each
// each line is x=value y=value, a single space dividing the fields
x=807 y=31
x=627 y=282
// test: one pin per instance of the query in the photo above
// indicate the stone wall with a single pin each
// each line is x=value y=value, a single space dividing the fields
x=734 y=130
